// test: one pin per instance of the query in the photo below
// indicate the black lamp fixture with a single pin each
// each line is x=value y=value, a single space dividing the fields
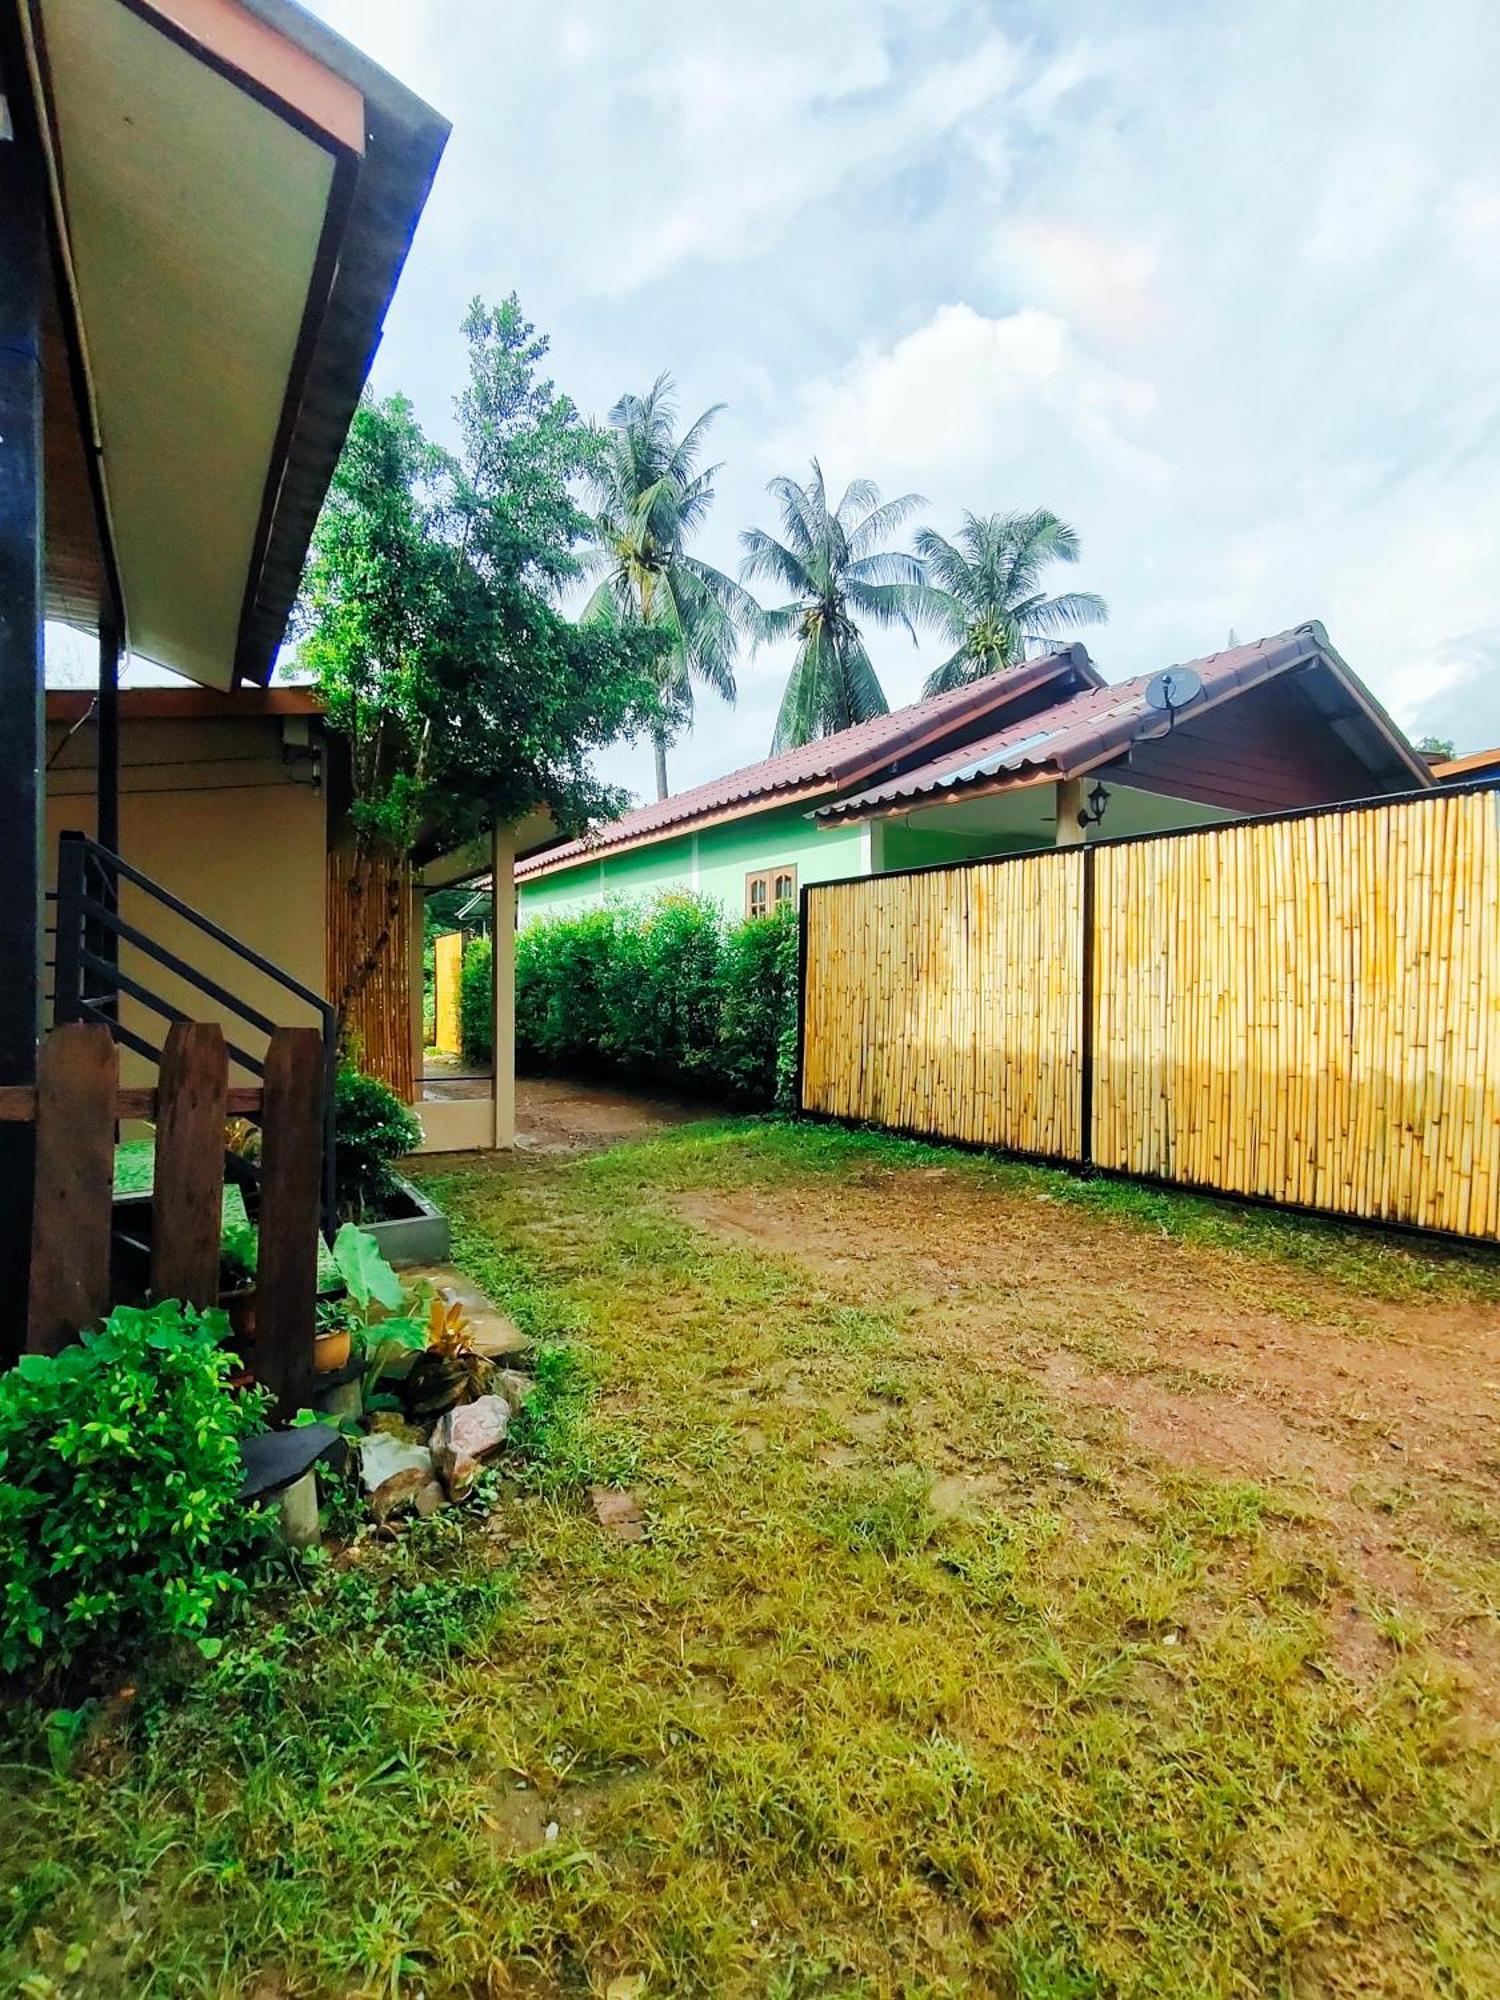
x=1098 y=800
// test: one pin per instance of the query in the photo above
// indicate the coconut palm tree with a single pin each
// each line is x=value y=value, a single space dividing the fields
x=651 y=494
x=834 y=565
x=983 y=595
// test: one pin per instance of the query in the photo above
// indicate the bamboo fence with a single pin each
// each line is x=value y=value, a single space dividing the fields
x=369 y=916
x=948 y=1003
x=447 y=979
x=1304 y=1009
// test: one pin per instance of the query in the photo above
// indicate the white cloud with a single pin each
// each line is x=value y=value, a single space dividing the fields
x=1228 y=309
x=966 y=398
x=1375 y=192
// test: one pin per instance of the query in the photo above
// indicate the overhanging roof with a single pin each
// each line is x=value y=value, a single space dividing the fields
x=830 y=764
x=1099 y=724
x=234 y=191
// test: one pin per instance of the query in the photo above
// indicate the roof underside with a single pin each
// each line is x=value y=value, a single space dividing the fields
x=1095 y=727
x=234 y=193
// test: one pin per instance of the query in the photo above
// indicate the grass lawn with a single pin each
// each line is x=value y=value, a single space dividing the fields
x=1046 y=1590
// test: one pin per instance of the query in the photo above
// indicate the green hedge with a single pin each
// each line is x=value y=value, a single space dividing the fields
x=476 y=1015
x=666 y=993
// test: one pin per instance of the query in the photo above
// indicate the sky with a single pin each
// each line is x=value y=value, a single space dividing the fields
x=1218 y=283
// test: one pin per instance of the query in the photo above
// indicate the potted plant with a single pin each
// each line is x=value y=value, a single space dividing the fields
x=239 y=1249
x=333 y=1341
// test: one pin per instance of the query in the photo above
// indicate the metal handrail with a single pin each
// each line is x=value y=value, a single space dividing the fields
x=83 y=918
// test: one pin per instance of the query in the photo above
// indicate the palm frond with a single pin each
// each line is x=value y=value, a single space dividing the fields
x=766 y=557
x=882 y=520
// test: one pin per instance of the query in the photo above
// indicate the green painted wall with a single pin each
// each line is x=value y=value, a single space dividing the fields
x=909 y=847
x=726 y=854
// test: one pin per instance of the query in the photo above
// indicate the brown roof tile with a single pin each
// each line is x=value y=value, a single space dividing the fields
x=1089 y=728
x=830 y=764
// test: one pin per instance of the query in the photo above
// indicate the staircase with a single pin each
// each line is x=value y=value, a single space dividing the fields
x=87 y=934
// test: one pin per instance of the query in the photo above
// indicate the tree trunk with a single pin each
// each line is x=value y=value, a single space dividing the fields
x=659 y=744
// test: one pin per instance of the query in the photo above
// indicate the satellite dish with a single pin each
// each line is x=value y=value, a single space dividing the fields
x=1173 y=689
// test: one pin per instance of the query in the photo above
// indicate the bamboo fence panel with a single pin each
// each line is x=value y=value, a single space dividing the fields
x=369 y=915
x=1308 y=1010
x=447 y=978
x=951 y=1003
x=1304 y=1009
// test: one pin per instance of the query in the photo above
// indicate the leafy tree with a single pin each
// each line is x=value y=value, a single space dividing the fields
x=652 y=494
x=982 y=593
x=429 y=616
x=1440 y=747
x=838 y=572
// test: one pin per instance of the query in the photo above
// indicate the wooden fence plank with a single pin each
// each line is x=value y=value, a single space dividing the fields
x=77 y=1077
x=291 y=1169
x=187 y=1215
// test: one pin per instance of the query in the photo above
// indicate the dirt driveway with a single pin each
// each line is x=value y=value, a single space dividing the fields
x=1379 y=1421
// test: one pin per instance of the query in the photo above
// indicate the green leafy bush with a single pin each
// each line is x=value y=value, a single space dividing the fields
x=667 y=993
x=373 y=1129
x=476 y=1009
x=119 y=1477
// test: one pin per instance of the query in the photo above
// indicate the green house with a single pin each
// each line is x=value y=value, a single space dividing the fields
x=1045 y=754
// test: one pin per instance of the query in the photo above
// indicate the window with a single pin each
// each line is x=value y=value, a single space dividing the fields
x=768 y=889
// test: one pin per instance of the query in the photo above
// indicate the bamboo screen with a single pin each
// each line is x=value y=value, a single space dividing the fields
x=950 y=1003
x=1308 y=1009
x=369 y=927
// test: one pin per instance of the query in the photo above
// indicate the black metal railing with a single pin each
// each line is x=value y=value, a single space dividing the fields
x=88 y=982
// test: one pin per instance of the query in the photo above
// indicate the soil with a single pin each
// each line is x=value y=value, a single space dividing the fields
x=556 y=1115
x=1377 y=1425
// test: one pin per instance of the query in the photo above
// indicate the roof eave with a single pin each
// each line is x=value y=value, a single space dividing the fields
x=404 y=142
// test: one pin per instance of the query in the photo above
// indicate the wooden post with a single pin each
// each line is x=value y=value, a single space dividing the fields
x=286 y=1285
x=23 y=287
x=416 y=938
x=78 y=1074
x=503 y=959
x=1070 y=830
x=187 y=1214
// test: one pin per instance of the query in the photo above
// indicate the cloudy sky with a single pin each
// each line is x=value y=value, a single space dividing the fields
x=1219 y=283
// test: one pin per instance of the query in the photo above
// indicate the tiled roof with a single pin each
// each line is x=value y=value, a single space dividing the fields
x=1088 y=728
x=830 y=764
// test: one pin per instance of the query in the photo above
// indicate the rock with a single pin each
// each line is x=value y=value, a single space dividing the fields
x=430 y=1498
x=466 y=1436
x=391 y=1424
x=516 y=1388
x=393 y=1472
x=619 y=1514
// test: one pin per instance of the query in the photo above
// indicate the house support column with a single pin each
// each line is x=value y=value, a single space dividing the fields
x=107 y=757
x=417 y=935
x=23 y=743
x=1070 y=829
x=503 y=960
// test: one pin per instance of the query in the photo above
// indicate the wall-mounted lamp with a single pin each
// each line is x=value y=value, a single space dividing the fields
x=1098 y=800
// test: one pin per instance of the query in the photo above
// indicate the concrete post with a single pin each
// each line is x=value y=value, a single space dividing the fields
x=503 y=874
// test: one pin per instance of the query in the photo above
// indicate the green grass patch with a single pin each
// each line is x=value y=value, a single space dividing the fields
x=917 y=1684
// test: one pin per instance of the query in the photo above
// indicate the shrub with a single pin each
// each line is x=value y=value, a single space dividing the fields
x=663 y=993
x=476 y=1007
x=373 y=1128
x=119 y=1477
x=758 y=1026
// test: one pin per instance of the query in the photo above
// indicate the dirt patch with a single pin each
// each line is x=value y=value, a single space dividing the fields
x=556 y=1115
x=1376 y=1422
